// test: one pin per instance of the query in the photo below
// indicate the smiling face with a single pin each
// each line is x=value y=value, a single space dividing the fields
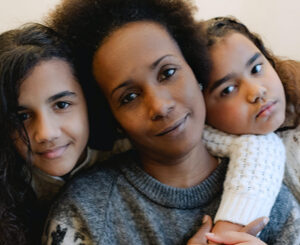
x=53 y=110
x=151 y=90
x=245 y=94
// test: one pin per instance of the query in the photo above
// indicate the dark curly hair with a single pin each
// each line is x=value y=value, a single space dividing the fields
x=20 y=51
x=86 y=24
x=288 y=70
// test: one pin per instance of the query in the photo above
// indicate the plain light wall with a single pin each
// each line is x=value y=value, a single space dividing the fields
x=276 y=21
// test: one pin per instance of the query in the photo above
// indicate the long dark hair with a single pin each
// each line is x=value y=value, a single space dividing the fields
x=20 y=51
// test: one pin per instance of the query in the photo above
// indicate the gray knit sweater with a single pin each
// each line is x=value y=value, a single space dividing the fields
x=124 y=205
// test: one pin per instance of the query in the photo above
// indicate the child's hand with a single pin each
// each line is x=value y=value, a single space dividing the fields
x=235 y=235
x=245 y=236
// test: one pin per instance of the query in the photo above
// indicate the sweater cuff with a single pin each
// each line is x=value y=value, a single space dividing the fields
x=242 y=208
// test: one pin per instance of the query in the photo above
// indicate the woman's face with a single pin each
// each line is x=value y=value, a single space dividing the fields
x=151 y=89
x=53 y=110
x=245 y=94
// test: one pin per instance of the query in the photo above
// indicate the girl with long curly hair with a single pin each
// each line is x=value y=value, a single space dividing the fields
x=246 y=99
x=43 y=126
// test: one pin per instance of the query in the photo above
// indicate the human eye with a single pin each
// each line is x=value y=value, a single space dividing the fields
x=228 y=90
x=61 y=105
x=166 y=74
x=23 y=116
x=256 y=69
x=127 y=98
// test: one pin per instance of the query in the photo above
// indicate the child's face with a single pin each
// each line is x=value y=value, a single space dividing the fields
x=245 y=94
x=151 y=90
x=53 y=109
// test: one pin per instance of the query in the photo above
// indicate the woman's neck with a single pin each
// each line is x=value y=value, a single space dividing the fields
x=182 y=172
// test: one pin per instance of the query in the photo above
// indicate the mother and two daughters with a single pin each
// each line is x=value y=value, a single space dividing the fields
x=153 y=64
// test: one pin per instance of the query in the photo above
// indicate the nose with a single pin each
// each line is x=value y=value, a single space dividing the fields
x=46 y=129
x=256 y=92
x=160 y=103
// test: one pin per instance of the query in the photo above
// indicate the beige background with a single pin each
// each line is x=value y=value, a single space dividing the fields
x=277 y=21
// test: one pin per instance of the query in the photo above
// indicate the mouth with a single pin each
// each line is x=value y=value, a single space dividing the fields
x=266 y=109
x=174 y=128
x=53 y=153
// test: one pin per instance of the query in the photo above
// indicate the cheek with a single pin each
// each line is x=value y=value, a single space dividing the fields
x=131 y=123
x=77 y=125
x=225 y=114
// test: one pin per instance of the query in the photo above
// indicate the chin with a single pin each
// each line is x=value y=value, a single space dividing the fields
x=57 y=172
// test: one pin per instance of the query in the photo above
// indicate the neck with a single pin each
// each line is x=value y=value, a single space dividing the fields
x=184 y=171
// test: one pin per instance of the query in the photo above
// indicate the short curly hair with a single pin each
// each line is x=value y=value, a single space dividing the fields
x=86 y=24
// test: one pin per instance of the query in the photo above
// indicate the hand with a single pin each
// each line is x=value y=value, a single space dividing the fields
x=233 y=237
x=199 y=238
x=245 y=236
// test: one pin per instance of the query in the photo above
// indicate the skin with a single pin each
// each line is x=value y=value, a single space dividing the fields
x=245 y=94
x=245 y=235
x=53 y=109
x=156 y=99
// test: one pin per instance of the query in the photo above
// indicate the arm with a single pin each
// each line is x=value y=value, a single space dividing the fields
x=254 y=173
x=66 y=228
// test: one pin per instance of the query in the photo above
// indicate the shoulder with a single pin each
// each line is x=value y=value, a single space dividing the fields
x=83 y=204
x=97 y=181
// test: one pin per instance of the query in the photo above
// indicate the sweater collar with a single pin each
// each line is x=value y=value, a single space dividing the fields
x=183 y=198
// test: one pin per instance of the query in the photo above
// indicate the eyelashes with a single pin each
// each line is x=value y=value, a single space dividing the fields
x=131 y=94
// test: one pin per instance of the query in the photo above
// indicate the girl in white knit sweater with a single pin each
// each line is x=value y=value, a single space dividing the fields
x=245 y=99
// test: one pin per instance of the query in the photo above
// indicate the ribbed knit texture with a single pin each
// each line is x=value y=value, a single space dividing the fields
x=254 y=175
x=122 y=204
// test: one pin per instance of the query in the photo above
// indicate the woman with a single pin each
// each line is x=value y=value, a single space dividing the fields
x=144 y=55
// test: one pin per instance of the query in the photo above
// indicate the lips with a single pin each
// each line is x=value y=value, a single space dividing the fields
x=53 y=153
x=266 y=109
x=174 y=127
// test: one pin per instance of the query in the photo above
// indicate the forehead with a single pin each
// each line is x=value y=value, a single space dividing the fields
x=47 y=78
x=233 y=43
x=233 y=50
x=131 y=47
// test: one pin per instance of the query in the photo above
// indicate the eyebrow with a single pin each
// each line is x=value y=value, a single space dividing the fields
x=252 y=59
x=219 y=82
x=152 y=67
x=53 y=98
x=61 y=95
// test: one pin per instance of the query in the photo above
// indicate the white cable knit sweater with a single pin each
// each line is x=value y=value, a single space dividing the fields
x=254 y=174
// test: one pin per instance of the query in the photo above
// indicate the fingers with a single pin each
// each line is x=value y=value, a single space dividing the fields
x=255 y=226
x=234 y=237
x=199 y=238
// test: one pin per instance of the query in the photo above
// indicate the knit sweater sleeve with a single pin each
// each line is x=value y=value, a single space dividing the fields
x=67 y=220
x=67 y=230
x=254 y=174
